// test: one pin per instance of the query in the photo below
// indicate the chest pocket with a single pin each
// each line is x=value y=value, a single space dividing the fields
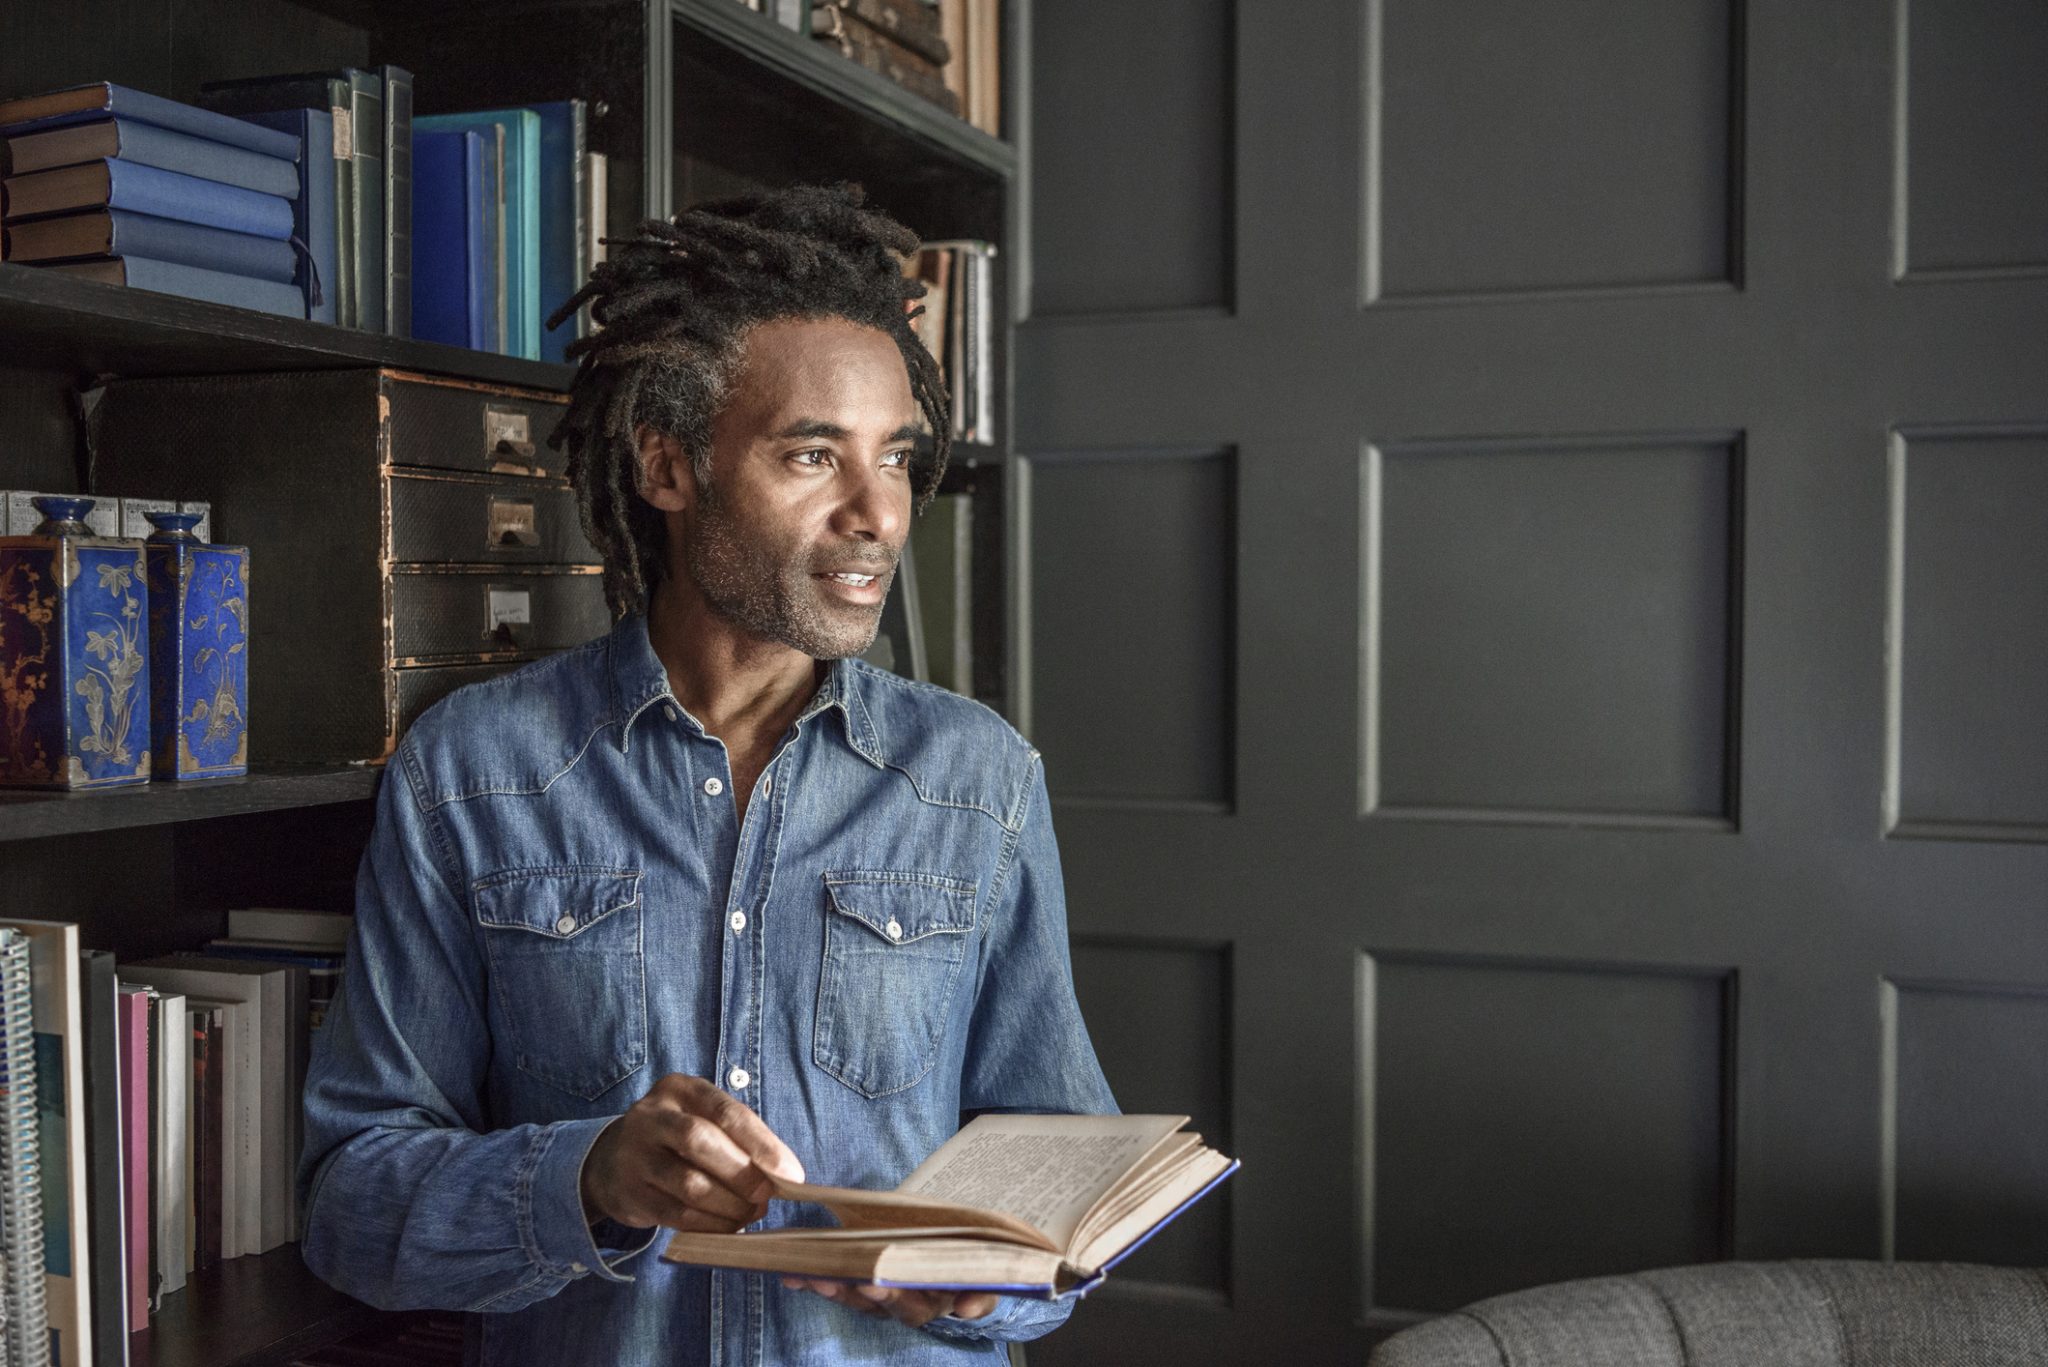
x=568 y=973
x=894 y=946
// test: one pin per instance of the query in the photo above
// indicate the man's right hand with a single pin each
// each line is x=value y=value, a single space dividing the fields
x=687 y=1155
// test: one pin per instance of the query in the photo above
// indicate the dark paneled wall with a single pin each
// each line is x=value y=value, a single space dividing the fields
x=1533 y=569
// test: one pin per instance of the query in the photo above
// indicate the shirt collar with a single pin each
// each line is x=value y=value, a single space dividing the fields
x=639 y=681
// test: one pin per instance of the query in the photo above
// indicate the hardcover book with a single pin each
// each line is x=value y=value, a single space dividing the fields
x=324 y=271
x=148 y=145
x=100 y=1032
x=1027 y=1205
x=191 y=282
x=148 y=190
x=452 y=287
x=520 y=185
x=100 y=99
x=355 y=101
x=119 y=232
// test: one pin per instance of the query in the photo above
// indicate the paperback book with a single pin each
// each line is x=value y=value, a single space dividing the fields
x=1028 y=1205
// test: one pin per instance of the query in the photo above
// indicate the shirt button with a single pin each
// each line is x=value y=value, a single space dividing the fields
x=565 y=925
x=578 y=1268
x=738 y=921
x=670 y=710
x=713 y=786
x=767 y=786
x=894 y=928
x=739 y=1078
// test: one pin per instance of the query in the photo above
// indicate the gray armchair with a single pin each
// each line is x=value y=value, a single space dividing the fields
x=1783 y=1314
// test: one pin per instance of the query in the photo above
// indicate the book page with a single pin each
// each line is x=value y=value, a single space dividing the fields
x=1046 y=1170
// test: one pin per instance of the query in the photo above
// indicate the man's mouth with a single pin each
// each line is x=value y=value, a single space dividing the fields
x=848 y=577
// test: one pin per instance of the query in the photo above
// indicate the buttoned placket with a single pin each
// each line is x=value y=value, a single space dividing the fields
x=743 y=1006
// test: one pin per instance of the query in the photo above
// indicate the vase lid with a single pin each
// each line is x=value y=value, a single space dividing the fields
x=63 y=515
x=174 y=527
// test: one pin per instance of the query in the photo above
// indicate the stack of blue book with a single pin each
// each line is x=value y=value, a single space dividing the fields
x=126 y=187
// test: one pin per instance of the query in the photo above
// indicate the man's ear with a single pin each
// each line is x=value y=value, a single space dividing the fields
x=667 y=478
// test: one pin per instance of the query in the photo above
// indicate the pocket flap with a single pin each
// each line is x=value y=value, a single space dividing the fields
x=903 y=907
x=560 y=903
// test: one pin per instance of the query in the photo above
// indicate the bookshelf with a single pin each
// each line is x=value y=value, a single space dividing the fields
x=689 y=99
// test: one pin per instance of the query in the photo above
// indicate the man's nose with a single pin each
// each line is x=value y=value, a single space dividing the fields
x=874 y=508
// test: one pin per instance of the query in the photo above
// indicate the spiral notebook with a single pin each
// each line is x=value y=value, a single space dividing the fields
x=25 y=1338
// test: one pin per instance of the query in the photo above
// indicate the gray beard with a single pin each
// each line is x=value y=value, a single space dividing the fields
x=746 y=585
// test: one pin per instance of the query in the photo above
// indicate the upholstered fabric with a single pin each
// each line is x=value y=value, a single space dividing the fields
x=1789 y=1314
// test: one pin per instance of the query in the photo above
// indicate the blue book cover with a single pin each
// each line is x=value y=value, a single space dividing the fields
x=494 y=239
x=315 y=215
x=194 y=282
x=562 y=267
x=522 y=217
x=147 y=190
x=98 y=99
x=448 y=293
x=148 y=145
x=194 y=244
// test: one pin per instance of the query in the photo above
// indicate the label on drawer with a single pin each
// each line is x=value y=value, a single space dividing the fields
x=508 y=607
x=508 y=438
x=514 y=522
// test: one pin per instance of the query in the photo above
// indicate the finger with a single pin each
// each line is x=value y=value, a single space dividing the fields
x=749 y=1133
x=697 y=1190
x=701 y=1144
x=703 y=1222
x=973 y=1305
x=839 y=1293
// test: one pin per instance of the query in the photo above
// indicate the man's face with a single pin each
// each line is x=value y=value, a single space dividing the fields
x=797 y=536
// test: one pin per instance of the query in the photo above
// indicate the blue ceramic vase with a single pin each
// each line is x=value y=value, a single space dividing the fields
x=74 y=655
x=199 y=652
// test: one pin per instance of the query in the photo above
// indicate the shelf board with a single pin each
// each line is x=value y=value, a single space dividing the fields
x=803 y=59
x=255 y=1311
x=49 y=320
x=34 y=815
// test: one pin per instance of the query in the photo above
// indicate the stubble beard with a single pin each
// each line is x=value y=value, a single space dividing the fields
x=748 y=584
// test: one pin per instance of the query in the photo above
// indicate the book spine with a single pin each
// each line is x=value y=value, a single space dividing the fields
x=27 y=1333
x=207 y=1126
x=397 y=200
x=100 y=1029
x=579 y=145
x=366 y=109
x=193 y=244
x=148 y=145
x=134 y=1047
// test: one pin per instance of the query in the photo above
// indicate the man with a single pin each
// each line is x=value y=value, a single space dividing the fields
x=707 y=898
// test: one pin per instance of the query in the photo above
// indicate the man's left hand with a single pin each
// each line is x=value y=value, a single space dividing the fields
x=914 y=1308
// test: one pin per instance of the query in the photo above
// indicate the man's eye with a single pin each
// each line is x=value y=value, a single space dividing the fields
x=806 y=457
x=897 y=459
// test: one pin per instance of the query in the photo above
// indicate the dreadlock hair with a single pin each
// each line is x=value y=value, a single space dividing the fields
x=674 y=302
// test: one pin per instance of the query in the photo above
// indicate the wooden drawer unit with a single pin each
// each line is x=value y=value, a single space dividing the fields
x=410 y=534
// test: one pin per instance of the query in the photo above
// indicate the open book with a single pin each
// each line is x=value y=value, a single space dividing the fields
x=1031 y=1205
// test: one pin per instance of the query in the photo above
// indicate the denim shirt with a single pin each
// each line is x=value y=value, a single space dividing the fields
x=559 y=906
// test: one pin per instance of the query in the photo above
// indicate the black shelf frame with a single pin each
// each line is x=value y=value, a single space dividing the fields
x=49 y=320
x=29 y=814
x=804 y=60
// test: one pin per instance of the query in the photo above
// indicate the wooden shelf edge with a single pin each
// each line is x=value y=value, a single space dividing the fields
x=802 y=59
x=51 y=320
x=27 y=814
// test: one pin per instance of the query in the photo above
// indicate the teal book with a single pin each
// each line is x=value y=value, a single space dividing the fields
x=522 y=215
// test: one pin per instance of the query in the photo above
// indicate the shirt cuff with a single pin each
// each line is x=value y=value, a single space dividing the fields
x=564 y=1241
